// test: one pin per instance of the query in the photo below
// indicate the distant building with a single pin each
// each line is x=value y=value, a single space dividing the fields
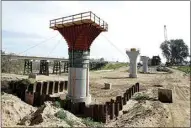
x=149 y=62
x=156 y=60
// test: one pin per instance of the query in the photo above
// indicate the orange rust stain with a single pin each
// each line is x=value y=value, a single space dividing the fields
x=29 y=98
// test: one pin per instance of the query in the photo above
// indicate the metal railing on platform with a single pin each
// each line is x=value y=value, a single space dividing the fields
x=80 y=17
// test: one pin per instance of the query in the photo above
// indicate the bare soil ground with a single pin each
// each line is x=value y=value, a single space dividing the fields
x=136 y=113
x=16 y=113
x=176 y=114
x=13 y=110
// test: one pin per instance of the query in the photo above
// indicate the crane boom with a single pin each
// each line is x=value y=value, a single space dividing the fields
x=165 y=33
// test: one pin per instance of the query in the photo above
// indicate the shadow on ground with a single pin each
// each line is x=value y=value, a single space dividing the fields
x=116 y=77
x=149 y=73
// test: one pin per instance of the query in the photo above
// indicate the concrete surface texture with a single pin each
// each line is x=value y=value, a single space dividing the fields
x=145 y=59
x=78 y=78
x=133 y=54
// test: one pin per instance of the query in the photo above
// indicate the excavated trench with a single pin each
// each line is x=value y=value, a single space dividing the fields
x=37 y=93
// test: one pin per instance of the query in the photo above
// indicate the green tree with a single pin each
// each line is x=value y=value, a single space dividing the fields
x=175 y=51
x=5 y=63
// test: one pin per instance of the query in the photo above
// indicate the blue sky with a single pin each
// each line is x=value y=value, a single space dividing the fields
x=131 y=24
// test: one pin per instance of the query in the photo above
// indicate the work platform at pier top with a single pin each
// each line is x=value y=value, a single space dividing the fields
x=79 y=30
x=79 y=19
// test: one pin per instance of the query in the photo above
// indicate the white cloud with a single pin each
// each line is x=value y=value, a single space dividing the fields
x=131 y=23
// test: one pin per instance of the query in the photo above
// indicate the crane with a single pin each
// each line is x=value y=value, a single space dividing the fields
x=166 y=41
x=165 y=33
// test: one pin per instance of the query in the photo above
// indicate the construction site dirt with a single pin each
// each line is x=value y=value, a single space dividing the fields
x=137 y=112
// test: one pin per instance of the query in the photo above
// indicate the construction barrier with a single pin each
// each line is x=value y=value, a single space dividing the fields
x=36 y=94
x=103 y=112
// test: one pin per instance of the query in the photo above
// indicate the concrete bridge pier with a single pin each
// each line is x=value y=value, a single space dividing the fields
x=79 y=34
x=57 y=67
x=79 y=76
x=44 y=67
x=65 y=67
x=145 y=59
x=133 y=54
x=27 y=66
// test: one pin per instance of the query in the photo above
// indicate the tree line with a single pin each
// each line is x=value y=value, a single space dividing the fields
x=11 y=66
x=175 y=51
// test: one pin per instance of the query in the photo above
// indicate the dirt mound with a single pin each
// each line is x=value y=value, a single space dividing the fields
x=142 y=111
x=16 y=113
x=13 y=109
x=34 y=118
x=145 y=114
x=51 y=116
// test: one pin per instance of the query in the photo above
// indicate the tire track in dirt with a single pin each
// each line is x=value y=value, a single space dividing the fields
x=184 y=93
x=179 y=109
x=179 y=115
x=179 y=93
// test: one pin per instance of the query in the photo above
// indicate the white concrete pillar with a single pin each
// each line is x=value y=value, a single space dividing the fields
x=133 y=54
x=78 y=80
x=145 y=59
x=79 y=85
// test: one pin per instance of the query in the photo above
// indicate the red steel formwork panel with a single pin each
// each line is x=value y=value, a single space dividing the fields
x=80 y=37
x=79 y=30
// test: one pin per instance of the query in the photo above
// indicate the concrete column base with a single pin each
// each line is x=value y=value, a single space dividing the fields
x=87 y=99
x=132 y=75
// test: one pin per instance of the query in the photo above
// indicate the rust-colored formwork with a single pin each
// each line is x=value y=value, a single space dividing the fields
x=79 y=30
